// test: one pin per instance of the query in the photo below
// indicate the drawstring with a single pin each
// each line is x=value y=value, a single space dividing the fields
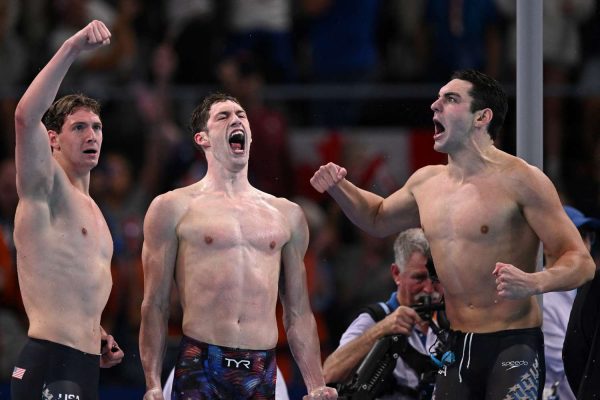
x=470 y=338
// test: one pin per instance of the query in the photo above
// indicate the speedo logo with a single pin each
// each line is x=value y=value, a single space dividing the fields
x=514 y=364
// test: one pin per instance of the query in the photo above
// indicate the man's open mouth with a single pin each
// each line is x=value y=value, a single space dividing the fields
x=237 y=141
x=438 y=127
x=90 y=151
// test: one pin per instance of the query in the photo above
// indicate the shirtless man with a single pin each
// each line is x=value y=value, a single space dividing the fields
x=230 y=247
x=484 y=214
x=63 y=244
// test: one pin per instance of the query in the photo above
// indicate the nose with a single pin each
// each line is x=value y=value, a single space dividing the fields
x=428 y=286
x=236 y=120
x=436 y=105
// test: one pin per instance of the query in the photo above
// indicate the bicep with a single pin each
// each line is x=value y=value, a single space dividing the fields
x=545 y=214
x=159 y=254
x=293 y=289
x=398 y=211
x=33 y=159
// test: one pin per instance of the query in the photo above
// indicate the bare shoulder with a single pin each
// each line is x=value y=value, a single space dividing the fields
x=169 y=206
x=522 y=178
x=424 y=174
x=291 y=212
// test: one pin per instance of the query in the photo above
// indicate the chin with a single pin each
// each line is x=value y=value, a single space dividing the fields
x=439 y=147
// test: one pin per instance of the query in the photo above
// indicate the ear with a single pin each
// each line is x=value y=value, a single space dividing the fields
x=483 y=117
x=395 y=270
x=201 y=139
x=53 y=136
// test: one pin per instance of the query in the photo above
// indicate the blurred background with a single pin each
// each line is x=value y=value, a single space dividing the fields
x=348 y=81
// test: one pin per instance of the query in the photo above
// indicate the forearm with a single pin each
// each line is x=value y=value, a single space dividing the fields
x=345 y=360
x=304 y=345
x=153 y=332
x=360 y=206
x=570 y=271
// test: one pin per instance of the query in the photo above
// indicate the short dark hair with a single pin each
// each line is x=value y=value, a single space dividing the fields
x=55 y=116
x=202 y=111
x=486 y=93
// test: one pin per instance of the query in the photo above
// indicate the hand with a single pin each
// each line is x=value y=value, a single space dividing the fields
x=154 y=394
x=327 y=176
x=110 y=353
x=402 y=321
x=322 y=392
x=513 y=283
x=94 y=35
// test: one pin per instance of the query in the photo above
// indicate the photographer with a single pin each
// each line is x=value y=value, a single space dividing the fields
x=410 y=273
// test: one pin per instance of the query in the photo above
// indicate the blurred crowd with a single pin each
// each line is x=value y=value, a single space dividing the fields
x=293 y=64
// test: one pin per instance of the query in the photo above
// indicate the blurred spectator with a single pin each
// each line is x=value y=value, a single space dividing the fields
x=14 y=58
x=343 y=50
x=403 y=42
x=270 y=168
x=13 y=332
x=562 y=54
x=264 y=29
x=112 y=64
x=557 y=308
x=194 y=29
x=581 y=347
x=365 y=260
x=463 y=34
x=589 y=87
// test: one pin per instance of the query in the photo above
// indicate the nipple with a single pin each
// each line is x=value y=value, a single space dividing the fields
x=272 y=245
x=484 y=229
x=208 y=239
x=84 y=231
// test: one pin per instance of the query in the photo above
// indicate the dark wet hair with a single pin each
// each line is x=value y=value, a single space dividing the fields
x=55 y=117
x=486 y=93
x=202 y=111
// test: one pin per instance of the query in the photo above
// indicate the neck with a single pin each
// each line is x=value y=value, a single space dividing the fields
x=231 y=182
x=79 y=177
x=472 y=159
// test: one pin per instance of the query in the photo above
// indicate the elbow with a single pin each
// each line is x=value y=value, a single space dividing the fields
x=22 y=118
x=590 y=270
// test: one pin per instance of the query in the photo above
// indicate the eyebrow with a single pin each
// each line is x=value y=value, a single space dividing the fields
x=449 y=94
x=227 y=112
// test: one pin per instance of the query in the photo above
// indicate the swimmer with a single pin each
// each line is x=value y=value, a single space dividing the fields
x=64 y=247
x=484 y=214
x=230 y=249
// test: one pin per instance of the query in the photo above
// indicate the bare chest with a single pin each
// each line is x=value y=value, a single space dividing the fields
x=224 y=225
x=472 y=210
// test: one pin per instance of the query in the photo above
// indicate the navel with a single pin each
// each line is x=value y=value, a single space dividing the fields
x=272 y=245
x=83 y=231
x=208 y=239
x=484 y=229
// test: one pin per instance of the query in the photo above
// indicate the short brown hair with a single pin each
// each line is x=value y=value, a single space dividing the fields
x=202 y=111
x=55 y=117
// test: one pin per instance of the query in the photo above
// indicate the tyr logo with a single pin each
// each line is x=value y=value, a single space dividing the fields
x=233 y=363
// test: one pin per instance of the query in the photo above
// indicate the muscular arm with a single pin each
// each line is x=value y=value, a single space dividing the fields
x=298 y=319
x=158 y=256
x=339 y=366
x=370 y=212
x=542 y=208
x=33 y=155
x=574 y=265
